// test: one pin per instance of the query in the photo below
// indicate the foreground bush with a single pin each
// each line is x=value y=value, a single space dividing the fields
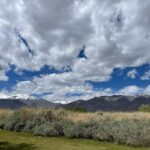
x=45 y=123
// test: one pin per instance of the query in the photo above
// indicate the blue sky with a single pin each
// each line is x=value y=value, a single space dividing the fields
x=98 y=48
x=120 y=79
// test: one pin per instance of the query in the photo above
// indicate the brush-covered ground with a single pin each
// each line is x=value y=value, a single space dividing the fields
x=128 y=128
x=23 y=141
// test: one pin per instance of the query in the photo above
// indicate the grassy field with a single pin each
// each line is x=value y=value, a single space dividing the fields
x=127 y=128
x=23 y=141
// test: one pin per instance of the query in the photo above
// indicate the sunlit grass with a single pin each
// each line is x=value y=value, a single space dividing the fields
x=80 y=116
x=23 y=141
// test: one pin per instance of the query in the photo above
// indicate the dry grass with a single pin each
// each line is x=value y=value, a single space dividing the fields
x=125 y=115
x=5 y=113
x=79 y=116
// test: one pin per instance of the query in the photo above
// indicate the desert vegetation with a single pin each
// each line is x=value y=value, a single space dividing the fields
x=123 y=128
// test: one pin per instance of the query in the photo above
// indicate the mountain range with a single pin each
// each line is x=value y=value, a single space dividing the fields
x=111 y=103
x=103 y=103
x=15 y=103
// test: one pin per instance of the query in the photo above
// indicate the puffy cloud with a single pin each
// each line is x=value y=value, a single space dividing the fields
x=131 y=90
x=146 y=76
x=134 y=90
x=57 y=88
x=4 y=95
x=132 y=74
x=112 y=36
x=147 y=90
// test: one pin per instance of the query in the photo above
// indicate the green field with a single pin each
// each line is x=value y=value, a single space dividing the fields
x=23 y=141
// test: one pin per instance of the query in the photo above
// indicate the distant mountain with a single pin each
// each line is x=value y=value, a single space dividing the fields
x=15 y=103
x=39 y=103
x=103 y=103
x=111 y=103
x=11 y=104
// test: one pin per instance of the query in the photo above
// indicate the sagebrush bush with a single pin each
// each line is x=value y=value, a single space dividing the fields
x=11 y=122
x=89 y=129
x=32 y=123
x=103 y=131
x=46 y=130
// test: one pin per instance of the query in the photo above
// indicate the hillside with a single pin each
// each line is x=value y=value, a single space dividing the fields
x=111 y=103
x=19 y=103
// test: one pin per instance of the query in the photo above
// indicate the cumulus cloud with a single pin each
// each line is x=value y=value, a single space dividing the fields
x=59 y=88
x=147 y=90
x=131 y=90
x=146 y=76
x=116 y=34
x=132 y=74
x=114 y=38
x=134 y=90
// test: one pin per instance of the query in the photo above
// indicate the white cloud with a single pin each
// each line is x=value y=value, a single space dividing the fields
x=146 y=76
x=131 y=90
x=147 y=90
x=58 y=90
x=112 y=36
x=58 y=87
x=4 y=96
x=132 y=74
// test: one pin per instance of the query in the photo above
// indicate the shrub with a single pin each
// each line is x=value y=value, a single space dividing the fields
x=31 y=124
x=103 y=132
x=139 y=133
x=81 y=129
x=2 y=123
x=11 y=122
x=46 y=130
x=76 y=109
x=131 y=132
x=61 y=125
x=145 y=108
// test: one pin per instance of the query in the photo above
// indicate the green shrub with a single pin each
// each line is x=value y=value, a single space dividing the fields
x=11 y=122
x=31 y=124
x=90 y=129
x=103 y=132
x=46 y=130
x=2 y=123
x=131 y=132
x=76 y=109
x=81 y=130
x=145 y=108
